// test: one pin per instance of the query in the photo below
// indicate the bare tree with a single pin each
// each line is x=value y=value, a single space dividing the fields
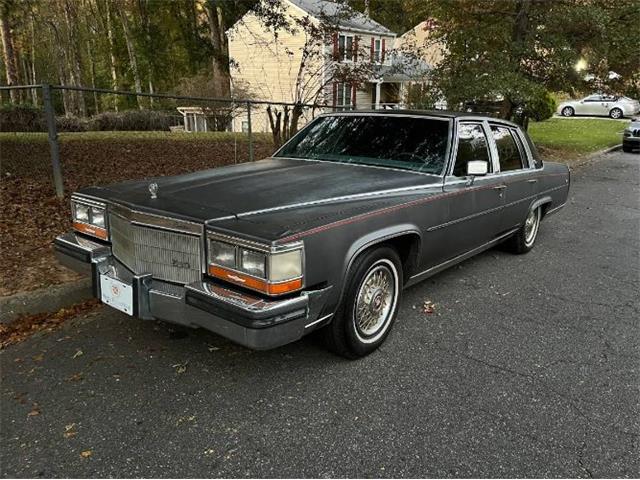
x=318 y=68
x=220 y=61
x=133 y=58
x=8 y=52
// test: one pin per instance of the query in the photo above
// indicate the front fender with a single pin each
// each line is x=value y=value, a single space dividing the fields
x=376 y=237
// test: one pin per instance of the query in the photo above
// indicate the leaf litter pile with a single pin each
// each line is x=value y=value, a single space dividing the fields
x=31 y=215
x=26 y=325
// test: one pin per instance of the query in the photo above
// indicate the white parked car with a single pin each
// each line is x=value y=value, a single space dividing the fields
x=600 y=105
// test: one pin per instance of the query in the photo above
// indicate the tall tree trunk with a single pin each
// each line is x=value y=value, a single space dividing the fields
x=518 y=35
x=220 y=63
x=9 y=55
x=143 y=7
x=73 y=55
x=67 y=100
x=133 y=59
x=92 y=71
x=112 y=55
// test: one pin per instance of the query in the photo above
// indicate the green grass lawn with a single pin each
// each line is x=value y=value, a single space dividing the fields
x=557 y=137
x=576 y=136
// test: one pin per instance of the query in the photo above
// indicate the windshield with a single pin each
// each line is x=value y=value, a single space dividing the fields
x=410 y=143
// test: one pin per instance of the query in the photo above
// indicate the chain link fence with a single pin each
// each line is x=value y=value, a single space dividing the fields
x=55 y=140
x=76 y=136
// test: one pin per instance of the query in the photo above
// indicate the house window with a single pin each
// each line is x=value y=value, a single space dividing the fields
x=245 y=126
x=377 y=48
x=345 y=47
x=343 y=96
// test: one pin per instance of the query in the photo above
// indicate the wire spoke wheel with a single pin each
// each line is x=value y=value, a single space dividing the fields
x=531 y=225
x=375 y=301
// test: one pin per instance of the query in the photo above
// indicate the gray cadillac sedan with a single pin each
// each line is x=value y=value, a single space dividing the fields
x=322 y=236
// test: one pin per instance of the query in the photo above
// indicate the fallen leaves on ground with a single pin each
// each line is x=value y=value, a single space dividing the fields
x=428 y=307
x=70 y=431
x=35 y=411
x=86 y=453
x=181 y=367
x=25 y=326
x=78 y=353
x=31 y=215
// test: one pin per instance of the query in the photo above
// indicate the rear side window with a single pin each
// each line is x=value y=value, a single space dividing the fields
x=509 y=154
x=472 y=145
x=537 y=159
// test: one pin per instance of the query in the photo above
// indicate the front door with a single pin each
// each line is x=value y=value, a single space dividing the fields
x=592 y=105
x=474 y=203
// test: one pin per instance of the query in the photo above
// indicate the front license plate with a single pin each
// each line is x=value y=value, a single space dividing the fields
x=116 y=294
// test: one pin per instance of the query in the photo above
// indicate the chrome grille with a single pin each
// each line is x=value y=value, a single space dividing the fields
x=167 y=255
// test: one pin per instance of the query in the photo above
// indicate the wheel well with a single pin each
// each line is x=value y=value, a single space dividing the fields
x=408 y=248
x=544 y=208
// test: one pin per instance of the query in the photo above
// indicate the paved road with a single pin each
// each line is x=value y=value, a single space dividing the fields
x=529 y=367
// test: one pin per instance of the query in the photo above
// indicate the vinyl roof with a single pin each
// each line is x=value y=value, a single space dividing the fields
x=426 y=113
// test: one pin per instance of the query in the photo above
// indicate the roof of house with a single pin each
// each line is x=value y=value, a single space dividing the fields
x=402 y=68
x=347 y=17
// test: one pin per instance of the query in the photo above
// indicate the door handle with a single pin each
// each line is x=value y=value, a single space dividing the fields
x=532 y=180
x=499 y=187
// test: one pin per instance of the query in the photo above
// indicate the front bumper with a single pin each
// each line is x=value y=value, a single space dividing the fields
x=631 y=143
x=249 y=320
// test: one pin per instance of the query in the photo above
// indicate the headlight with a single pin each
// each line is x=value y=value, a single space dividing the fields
x=82 y=213
x=222 y=254
x=253 y=263
x=626 y=133
x=89 y=218
x=274 y=271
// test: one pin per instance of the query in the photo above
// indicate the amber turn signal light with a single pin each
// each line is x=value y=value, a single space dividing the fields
x=91 y=230
x=255 y=283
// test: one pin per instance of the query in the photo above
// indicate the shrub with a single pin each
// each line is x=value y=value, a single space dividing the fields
x=21 y=118
x=70 y=124
x=133 y=120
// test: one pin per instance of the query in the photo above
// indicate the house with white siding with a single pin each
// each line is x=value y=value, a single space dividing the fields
x=267 y=64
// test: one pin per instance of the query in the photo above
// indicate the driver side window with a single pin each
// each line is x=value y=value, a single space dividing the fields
x=472 y=145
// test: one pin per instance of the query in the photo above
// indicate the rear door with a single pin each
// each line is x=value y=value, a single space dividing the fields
x=473 y=203
x=516 y=174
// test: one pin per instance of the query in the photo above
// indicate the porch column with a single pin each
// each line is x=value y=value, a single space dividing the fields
x=377 y=106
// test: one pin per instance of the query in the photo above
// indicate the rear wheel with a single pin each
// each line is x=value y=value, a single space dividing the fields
x=525 y=237
x=568 y=112
x=369 y=305
x=616 y=113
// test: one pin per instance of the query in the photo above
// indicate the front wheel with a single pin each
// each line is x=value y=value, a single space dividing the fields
x=524 y=239
x=567 y=112
x=616 y=113
x=369 y=305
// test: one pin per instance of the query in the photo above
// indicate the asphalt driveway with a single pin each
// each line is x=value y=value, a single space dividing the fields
x=529 y=366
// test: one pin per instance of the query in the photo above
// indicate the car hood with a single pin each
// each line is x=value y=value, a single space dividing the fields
x=250 y=188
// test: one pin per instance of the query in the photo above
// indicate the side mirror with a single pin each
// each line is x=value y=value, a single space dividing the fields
x=477 y=168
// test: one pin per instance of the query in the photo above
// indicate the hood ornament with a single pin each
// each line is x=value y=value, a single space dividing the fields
x=153 y=190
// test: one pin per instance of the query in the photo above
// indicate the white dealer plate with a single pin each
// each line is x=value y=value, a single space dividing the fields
x=116 y=294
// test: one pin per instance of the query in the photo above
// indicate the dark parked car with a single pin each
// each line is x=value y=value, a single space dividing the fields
x=323 y=235
x=631 y=136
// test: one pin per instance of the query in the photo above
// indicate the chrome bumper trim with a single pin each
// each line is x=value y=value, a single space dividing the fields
x=244 y=318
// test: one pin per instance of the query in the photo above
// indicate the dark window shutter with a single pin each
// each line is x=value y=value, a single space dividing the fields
x=353 y=95
x=372 y=48
x=383 y=49
x=335 y=46
x=355 y=49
